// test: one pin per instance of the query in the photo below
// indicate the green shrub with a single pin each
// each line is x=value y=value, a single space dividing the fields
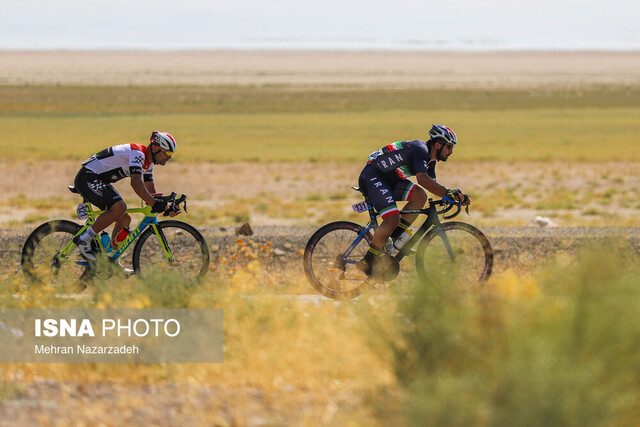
x=563 y=355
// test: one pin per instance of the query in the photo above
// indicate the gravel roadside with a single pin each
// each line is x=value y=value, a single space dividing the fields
x=31 y=403
x=514 y=246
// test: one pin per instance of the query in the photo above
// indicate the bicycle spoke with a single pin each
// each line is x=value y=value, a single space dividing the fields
x=332 y=272
x=42 y=261
x=187 y=259
x=459 y=252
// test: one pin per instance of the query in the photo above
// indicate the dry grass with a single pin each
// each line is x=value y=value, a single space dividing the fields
x=371 y=361
x=314 y=193
x=283 y=360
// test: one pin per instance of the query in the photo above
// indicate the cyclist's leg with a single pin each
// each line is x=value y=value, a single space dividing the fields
x=406 y=190
x=105 y=197
x=112 y=214
x=379 y=191
x=415 y=196
x=122 y=222
x=388 y=225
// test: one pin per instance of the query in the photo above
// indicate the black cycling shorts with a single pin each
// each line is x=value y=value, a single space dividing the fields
x=384 y=190
x=95 y=190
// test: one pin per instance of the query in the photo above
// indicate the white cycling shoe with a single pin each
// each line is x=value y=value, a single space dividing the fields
x=86 y=248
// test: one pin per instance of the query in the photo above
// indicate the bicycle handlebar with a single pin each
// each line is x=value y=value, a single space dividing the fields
x=173 y=203
x=448 y=204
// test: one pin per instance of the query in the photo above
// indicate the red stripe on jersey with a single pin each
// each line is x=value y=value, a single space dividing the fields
x=144 y=149
x=391 y=212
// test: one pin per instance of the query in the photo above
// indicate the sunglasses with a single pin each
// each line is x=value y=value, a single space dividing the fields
x=169 y=153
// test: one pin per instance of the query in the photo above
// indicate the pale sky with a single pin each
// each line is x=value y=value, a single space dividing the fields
x=397 y=24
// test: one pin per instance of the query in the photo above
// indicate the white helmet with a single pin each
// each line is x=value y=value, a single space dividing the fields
x=443 y=133
x=164 y=140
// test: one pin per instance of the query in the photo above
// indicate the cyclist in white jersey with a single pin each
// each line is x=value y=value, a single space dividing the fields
x=98 y=172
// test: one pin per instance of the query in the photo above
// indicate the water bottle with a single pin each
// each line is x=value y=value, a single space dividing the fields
x=403 y=239
x=121 y=236
x=105 y=240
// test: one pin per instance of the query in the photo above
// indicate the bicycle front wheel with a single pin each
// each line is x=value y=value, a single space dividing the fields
x=178 y=249
x=331 y=256
x=459 y=250
x=48 y=259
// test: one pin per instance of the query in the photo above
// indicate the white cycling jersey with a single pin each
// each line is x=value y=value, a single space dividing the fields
x=120 y=161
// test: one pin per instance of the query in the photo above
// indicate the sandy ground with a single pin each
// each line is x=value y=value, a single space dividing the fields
x=504 y=193
x=49 y=403
x=380 y=68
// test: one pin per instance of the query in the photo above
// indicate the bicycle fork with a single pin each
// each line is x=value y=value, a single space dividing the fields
x=432 y=222
x=437 y=225
x=445 y=242
x=163 y=241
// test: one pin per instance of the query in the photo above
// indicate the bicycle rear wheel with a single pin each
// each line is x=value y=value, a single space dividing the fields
x=189 y=261
x=43 y=262
x=462 y=251
x=330 y=270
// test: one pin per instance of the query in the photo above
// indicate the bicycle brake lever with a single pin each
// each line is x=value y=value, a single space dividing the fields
x=448 y=200
x=182 y=199
x=168 y=211
x=175 y=205
x=466 y=209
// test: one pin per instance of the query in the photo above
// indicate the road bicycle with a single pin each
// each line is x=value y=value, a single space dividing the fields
x=49 y=256
x=333 y=251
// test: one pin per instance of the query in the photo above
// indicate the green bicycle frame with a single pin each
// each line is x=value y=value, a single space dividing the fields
x=150 y=219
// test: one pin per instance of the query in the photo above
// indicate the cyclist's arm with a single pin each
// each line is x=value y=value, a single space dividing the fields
x=147 y=177
x=430 y=185
x=141 y=189
x=439 y=190
x=151 y=187
x=421 y=161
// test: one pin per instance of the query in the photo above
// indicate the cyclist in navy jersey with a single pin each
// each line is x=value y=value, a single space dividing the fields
x=385 y=181
x=99 y=171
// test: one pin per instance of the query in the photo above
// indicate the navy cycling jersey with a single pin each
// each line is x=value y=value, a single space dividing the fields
x=404 y=159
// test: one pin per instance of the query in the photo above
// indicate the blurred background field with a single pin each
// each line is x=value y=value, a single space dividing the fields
x=550 y=339
x=569 y=154
x=302 y=124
